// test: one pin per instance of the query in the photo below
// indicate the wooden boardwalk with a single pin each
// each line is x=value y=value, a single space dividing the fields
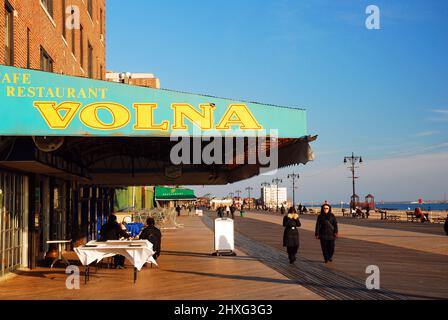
x=412 y=264
x=314 y=276
x=187 y=272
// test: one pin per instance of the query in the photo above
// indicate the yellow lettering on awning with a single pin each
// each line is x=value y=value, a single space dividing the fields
x=120 y=116
x=203 y=120
x=239 y=115
x=145 y=117
x=50 y=111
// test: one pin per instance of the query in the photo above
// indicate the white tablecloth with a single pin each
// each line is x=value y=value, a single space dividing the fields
x=137 y=255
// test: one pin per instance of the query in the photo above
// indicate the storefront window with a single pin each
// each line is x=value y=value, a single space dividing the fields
x=11 y=221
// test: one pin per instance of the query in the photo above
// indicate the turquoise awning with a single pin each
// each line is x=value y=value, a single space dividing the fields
x=35 y=103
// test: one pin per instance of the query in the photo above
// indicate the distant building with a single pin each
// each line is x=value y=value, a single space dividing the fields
x=269 y=196
x=137 y=79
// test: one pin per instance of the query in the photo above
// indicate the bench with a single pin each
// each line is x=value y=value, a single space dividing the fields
x=383 y=214
x=346 y=213
x=411 y=216
x=438 y=220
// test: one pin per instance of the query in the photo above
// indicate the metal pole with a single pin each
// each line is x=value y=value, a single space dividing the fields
x=277 y=198
x=353 y=161
x=293 y=177
x=249 y=189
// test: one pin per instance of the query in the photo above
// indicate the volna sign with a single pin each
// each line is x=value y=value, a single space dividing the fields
x=35 y=103
x=59 y=116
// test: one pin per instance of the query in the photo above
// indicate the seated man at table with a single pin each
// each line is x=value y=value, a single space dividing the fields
x=153 y=235
x=112 y=230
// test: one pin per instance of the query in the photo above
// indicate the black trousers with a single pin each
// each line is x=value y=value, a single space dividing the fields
x=327 y=248
x=119 y=261
x=292 y=251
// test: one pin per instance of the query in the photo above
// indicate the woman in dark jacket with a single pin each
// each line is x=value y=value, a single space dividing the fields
x=112 y=230
x=153 y=235
x=446 y=225
x=326 y=231
x=291 y=223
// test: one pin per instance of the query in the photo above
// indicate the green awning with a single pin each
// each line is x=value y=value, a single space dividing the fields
x=169 y=194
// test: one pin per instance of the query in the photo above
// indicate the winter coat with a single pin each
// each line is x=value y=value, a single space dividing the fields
x=326 y=227
x=291 y=233
x=112 y=231
x=153 y=235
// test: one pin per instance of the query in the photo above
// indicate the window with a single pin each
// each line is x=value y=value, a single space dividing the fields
x=9 y=35
x=48 y=5
x=90 y=62
x=101 y=72
x=12 y=222
x=28 y=45
x=64 y=28
x=46 y=63
x=81 y=46
x=73 y=42
x=90 y=8
x=101 y=21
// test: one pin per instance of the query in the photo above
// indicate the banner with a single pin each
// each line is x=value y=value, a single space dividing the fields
x=35 y=103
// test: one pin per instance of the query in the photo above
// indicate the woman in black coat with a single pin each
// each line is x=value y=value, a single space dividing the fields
x=291 y=223
x=446 y=225
x=326 y=231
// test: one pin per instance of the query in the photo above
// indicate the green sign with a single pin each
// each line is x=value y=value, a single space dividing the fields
x=167 y=194
x=35 y=103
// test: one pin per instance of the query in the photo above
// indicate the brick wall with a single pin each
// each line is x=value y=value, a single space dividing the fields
x=47 y=32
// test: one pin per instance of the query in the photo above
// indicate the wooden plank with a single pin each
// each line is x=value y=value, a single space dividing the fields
x=187 y=271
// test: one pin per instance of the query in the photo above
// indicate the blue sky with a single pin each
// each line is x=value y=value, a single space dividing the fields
x=382 y=94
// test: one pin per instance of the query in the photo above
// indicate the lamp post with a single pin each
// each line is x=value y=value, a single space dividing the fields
x=294 y=176
x=249 y=189
x=277 y=181
x=238 y=193
x=263 y=185
x=353 y=161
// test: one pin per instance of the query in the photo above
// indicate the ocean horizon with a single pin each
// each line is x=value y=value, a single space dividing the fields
x=402 y=206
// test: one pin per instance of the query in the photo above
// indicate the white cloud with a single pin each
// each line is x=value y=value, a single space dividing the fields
x=441 y=111
x=401 y=178
x=426 y=133
x=441 y=115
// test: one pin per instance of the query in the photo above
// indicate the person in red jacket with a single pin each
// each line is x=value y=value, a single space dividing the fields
x=419 y=214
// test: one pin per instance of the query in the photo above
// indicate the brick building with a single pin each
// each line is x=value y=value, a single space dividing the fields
x=136 y=79
x=36 y=36
x=39 y=203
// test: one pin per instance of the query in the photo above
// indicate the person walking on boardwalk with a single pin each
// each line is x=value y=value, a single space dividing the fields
x=327 y=232
x=283 y=210
x=220 y=212
x=446 y=225
x=291 y=222
x=232 y=211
